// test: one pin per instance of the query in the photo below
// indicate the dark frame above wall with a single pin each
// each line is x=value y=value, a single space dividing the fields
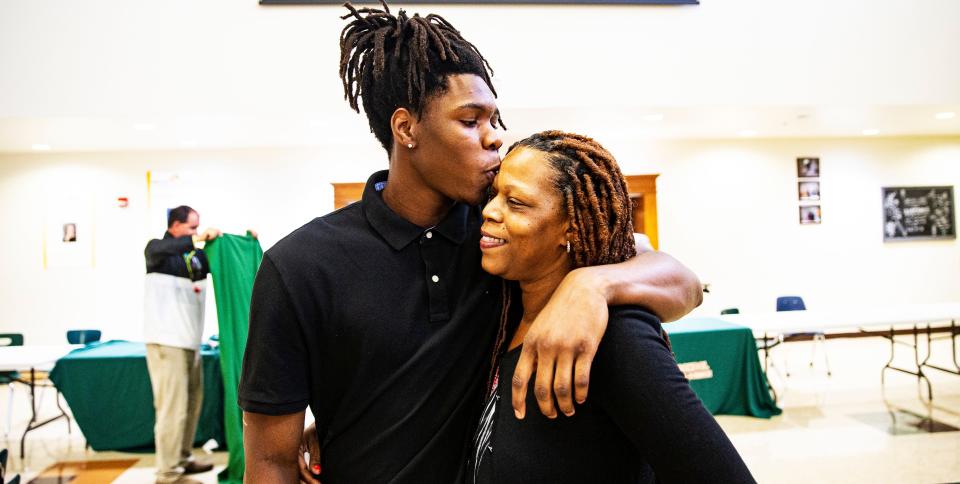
x=490 y=2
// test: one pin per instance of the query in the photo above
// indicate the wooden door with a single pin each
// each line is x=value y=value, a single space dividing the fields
x=346 y=193
x=643 y=199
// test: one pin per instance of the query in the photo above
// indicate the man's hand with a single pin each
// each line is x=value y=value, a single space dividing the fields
x=561 y=344
x=209 y=234
x=310 y=444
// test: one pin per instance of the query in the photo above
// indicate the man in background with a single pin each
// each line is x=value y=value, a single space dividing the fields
x=174 y=297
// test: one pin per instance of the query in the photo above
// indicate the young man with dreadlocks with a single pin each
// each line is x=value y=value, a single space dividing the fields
x=378 y=315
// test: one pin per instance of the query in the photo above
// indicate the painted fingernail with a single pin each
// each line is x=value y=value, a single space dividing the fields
x=316 y=469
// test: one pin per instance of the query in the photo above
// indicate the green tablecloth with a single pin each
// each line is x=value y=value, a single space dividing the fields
x=721 y=362
x=108 y=389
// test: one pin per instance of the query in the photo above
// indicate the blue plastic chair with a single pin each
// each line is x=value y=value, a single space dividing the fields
x=790 y=303
x=83 y=336
x=795 y=303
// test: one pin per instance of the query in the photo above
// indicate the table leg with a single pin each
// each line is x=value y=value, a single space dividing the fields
x=33 y=411
x=921 y=376
x=766 y=366
x=766 y=353
x=916 y=361
x=893 y=350
x=33 y=425
x=954 y=330
x=63 y=413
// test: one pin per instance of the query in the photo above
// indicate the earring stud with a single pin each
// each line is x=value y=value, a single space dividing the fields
x=410 y=145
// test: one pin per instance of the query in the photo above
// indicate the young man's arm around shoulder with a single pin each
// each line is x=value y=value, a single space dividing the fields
x=561 y=343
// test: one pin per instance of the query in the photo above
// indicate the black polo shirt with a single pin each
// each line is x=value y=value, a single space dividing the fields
x=384 y=329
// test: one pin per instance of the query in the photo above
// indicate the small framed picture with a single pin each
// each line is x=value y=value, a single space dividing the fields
x=809 y=190
x=808 y=167
x=810 y=214
x=70 y=232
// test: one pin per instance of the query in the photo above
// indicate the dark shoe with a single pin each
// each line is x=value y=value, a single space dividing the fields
x=196 y=467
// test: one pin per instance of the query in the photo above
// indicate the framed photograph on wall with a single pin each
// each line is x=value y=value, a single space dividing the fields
x=808 y=167
x=918 y=213
x=809 y=214
x=67 y=241
x=809 y=190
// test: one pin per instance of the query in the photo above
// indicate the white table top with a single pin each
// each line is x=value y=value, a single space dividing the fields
x=38 y=357
x=851 y=317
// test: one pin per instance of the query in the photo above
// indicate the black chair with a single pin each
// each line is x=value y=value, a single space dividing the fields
x=83 y=336
x=11 y=339
x=795 y=303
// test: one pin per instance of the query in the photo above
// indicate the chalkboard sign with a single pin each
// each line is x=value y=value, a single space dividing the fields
x=912 y=213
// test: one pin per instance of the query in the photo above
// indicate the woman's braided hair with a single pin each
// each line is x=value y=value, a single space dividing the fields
x=594 y=193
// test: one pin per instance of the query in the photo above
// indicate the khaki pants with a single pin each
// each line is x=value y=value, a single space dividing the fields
x=176 y=376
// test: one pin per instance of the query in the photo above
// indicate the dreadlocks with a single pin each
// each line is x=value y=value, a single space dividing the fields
x=397 y=61
x=594 y=193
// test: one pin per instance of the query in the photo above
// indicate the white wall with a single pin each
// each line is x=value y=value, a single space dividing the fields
x=272 y=191
x=728 y=209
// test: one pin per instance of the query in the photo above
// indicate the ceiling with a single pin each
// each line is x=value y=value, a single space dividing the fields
x=115 y=75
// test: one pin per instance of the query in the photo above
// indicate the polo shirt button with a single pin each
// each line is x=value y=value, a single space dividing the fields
x=435 y=279
x=430 y=236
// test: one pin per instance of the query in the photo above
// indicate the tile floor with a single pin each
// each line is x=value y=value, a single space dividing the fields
x=842 y=428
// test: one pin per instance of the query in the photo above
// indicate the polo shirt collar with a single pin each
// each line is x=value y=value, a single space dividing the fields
x=399 y=232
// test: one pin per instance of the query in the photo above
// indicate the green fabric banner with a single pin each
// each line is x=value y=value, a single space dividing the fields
x=234 y=261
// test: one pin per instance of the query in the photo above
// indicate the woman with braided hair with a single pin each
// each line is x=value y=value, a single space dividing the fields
x=559 y=203
x=379 y=317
